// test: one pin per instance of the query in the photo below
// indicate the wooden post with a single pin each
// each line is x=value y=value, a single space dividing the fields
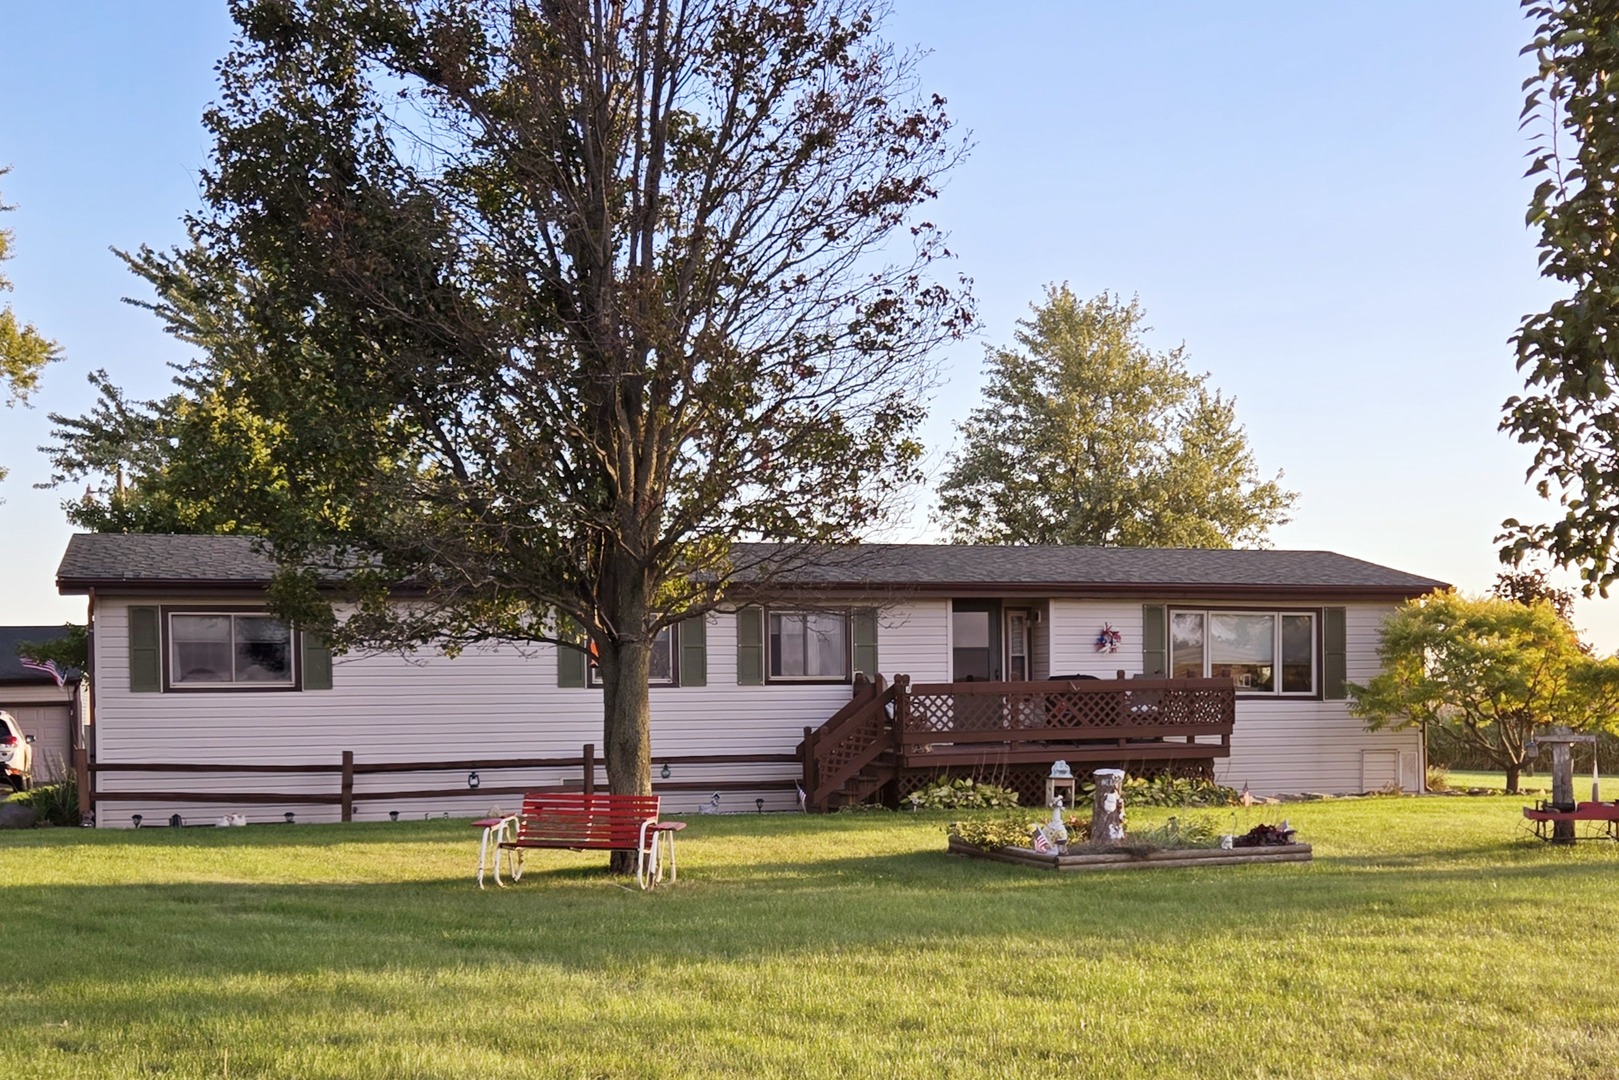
x=590 y=768
x=81 y=772
x=1563 y=790
x=348 y=785
x=1107 y=807
x=812 y=777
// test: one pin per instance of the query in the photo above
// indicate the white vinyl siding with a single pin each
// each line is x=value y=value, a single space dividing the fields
x=497 y=702
x=1281 y=743
x=504 y=703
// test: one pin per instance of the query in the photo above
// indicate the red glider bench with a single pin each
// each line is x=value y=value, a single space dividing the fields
x=578 y=822
x=1543 y=816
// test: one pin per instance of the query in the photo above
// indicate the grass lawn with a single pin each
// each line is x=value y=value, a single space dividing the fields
x=1429 y=938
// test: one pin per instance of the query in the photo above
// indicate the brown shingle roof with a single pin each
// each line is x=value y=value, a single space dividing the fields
x=152 y=562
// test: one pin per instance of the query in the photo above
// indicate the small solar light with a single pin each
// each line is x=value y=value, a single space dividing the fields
x=136 y=818
x=288 y=816
x=175 y=821
x=393 y=815
x=666 y=770
x=473 y=780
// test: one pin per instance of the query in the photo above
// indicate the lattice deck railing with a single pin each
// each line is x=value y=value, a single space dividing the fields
x=1082 y=710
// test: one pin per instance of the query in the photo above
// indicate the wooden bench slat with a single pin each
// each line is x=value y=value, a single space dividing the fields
x=576 y=821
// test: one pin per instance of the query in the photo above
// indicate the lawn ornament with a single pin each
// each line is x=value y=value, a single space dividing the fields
x=712 y=806
x=1107 y=809
x=1055 y=829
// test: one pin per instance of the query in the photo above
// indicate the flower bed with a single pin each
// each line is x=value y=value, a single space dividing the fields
x=1125 y=860
x=1192 y=842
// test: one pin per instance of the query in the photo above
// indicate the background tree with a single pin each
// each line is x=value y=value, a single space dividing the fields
x=24 y=352
x=1567 y=353
x=70 y=650
x=542 y=307
x=1533 y=586
x=1087 y=436
x=1486 y=674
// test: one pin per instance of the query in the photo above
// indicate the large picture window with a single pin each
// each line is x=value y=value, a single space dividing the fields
x=809 y=645
x=231 y=649
x=1262 y=652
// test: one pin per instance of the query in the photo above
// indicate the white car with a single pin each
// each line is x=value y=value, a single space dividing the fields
x=16 y=753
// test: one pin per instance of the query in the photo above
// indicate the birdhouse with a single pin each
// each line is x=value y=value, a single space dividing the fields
x=1060 y=784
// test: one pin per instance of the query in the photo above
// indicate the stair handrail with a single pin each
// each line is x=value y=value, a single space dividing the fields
x=865 y=717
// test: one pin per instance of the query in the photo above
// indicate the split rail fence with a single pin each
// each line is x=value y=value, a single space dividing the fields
x=346 y=770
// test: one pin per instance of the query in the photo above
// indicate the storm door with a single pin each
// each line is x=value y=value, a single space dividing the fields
x=975 y=640
x=1017 y=645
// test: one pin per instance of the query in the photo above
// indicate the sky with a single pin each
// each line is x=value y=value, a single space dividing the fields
x=1325 y=203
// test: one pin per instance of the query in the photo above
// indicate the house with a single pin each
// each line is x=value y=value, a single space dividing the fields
x=190 y=670
x=52 y=713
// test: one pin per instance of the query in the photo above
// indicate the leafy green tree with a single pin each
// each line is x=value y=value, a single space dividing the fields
x=1087 y=436
x=1566 y=353
x=24 y=352
x=1486 y=674
x=542 y=308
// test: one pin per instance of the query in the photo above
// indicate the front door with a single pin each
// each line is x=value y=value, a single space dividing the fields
x=1017 y=645
x=975 y=640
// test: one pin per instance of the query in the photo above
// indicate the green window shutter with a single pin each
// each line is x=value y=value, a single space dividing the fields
x=864 y=634
x=570 y=666
x=317 y=662
x=692 y=637
x=750 y=646
x=1334 y=654
x=1154 y=635
x=145 y=650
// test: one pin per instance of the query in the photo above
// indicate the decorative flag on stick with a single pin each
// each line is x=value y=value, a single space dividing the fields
x=1042 y=842
x=48 y=667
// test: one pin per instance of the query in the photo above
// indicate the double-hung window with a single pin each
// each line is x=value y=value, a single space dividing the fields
x=664 y=655
x=1269 y=652
x=809 y=645
x=231 y=649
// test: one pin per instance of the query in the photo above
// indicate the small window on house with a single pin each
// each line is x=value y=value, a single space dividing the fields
x=229 y=649
x=809 y=645
x=663 y=661
x=1262 y=652
x=1186 y=645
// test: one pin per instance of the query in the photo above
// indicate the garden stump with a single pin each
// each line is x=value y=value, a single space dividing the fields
x=1107 y=807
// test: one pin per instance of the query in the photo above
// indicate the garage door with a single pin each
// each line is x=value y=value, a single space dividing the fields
x=53 y=746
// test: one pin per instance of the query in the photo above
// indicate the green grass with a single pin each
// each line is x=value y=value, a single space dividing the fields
x=1429 y=938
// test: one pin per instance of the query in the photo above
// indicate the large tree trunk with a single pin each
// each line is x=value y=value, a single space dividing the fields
x=1513 y=769
x=626 y=666
x=627 y=727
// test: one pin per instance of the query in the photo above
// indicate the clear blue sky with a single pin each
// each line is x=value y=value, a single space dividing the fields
x=1324 y=202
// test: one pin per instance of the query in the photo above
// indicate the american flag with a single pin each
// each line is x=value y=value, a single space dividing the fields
x=1041 y=841
x=48 y=667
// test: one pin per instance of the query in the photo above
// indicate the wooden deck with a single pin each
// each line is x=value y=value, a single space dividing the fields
x=890 y=733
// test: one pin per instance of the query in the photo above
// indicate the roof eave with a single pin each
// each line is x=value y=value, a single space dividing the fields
x=82 y=586
x=1153 y=590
